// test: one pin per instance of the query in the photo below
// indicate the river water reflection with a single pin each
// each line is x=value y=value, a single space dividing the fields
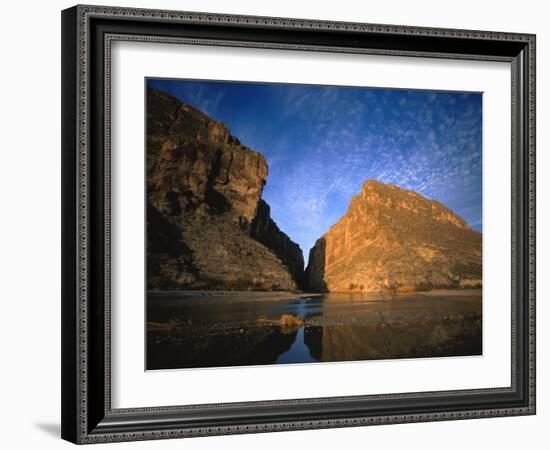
x=186 y=331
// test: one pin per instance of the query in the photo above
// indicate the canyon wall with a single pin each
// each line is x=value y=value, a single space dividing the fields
x=207 y=226
x=391 y=239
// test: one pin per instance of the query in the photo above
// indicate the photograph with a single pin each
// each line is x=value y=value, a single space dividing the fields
x=274 y=220
x=301 y=223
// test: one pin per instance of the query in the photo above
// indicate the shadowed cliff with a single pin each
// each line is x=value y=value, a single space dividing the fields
x=314 y=275
x=207 y=226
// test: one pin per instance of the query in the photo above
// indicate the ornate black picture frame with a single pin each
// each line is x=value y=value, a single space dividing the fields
x=87 y=34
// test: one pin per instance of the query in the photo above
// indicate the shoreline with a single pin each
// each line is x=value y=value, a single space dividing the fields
x=243 y=296
x=264 y=296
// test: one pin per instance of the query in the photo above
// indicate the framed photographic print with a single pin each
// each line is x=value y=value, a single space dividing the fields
x=268 y=222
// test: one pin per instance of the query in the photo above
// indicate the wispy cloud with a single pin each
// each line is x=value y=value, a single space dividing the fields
x=201 y=99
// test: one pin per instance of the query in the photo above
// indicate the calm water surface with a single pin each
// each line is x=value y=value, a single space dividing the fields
x=185 y=331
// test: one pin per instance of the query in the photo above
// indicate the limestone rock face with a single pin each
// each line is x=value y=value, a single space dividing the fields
x=207 y=225
x=394 y=239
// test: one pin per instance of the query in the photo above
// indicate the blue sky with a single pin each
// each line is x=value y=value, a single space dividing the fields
x=321 y=144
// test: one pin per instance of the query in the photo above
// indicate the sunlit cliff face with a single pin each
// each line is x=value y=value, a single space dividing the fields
x=394 y=239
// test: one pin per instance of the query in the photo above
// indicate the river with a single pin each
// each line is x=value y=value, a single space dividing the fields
x=184 y=331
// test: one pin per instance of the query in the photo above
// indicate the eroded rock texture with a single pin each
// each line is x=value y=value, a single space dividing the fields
x=391 y=239
x=207 y=226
